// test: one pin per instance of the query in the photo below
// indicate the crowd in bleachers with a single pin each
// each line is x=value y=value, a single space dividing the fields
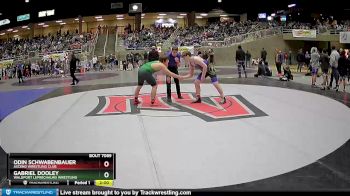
x=218 y=31
x=194 y=35
x=147 y=37
x=44 y=44
x=321 y=26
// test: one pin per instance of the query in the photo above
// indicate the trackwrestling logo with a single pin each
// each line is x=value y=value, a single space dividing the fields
x=209 y=110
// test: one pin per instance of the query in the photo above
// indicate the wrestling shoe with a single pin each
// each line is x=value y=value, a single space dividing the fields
x=223 y=100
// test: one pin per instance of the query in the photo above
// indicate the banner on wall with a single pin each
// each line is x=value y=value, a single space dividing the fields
x=5 y=63
x=304 y=33
x=186 y=48
x=344 y=37
x=55 y=56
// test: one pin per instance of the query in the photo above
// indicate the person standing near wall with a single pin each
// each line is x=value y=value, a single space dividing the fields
x=307 y=61
x=240 y=58
x=73 y=68
x=263 y=55
x=279 y=61
x=324 y=60
x=333 y=61
x=248 y=56
x=20 y=72
x=343 y=64
x=315 y=64
x=300 y=59
x=290 y=58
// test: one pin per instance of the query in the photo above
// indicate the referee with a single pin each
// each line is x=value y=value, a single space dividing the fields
x=174 y=62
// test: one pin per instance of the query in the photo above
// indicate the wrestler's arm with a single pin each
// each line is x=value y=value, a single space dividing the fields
x=169 y=73
x=190 y=73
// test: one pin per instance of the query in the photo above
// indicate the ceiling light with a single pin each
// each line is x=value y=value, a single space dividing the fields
x=162 y=14
x=9 y=30
x=98 y=17
x=204 y=14
x=199 y=17
x=183 y=14
x=59 y=21
x=15 y=31
x=24 y=27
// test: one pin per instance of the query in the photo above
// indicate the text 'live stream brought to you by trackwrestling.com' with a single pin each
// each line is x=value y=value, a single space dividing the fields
x=125 y=192
x=62 y=191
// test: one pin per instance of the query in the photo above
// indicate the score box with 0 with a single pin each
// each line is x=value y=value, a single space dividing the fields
x=70 y=166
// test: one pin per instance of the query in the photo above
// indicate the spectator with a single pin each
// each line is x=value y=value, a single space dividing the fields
x=94 y=61
x=248 y=57
x=263 y=69
x=333 y=61
x=145 y=56
x=73 y=67
x=263 y=54
x=315 y=64
x=153 y=55
x=290 y=58
x=240 y=58
x=343 y=65
x=300 y=59
x=307 y=60
x=279 y=61
x=20 y=73
x=324 y=61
